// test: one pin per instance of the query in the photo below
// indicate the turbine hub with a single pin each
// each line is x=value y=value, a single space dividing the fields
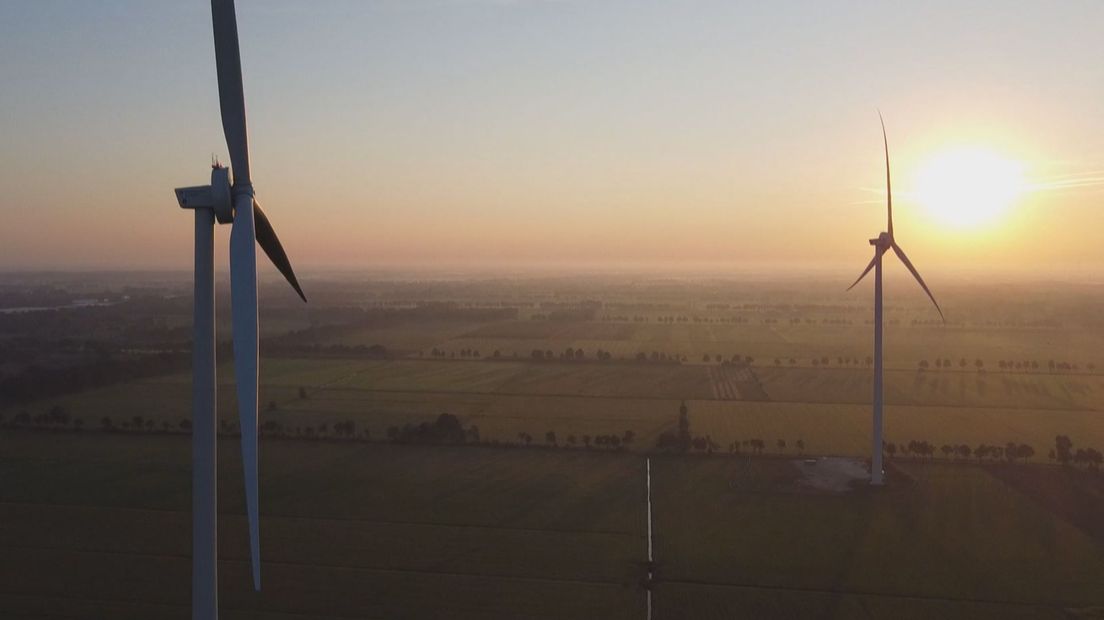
x=220 y=190
x=215 y=196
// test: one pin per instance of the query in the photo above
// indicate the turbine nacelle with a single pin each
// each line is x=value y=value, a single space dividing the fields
x=883 y=241
x=218 y=196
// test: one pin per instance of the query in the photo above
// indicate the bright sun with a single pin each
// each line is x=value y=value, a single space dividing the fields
x=967 y=187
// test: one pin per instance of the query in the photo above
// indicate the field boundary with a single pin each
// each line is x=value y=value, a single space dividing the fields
x=427 y=524
x=678 y=398
x=340 y=567
x=846 y=592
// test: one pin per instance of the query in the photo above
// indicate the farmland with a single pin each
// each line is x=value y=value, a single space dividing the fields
x=382 y=532
x=988 y=545
x=824 y=407
x=99 y=525
x=540 y=519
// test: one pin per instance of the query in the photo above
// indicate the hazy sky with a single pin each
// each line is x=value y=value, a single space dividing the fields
x=455 y=132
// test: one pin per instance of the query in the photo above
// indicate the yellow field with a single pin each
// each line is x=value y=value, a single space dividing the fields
x=823 y=407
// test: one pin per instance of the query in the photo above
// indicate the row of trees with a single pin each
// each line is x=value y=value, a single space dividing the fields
x=939 y=363
x=659 y=357
x=1010 y=451
x=1062 y=453
x=824 y=360
x=56 y=417
x=37 y=382
x=701 y=319
x=758 y=446
x=346 y=429
x=684 y=441
x=742 y=360
x=923 y=365
x=731 y=320
x=1065 y=454
x=446 y=429
x=587 y=441
x=1006 y=365
x=569 y=354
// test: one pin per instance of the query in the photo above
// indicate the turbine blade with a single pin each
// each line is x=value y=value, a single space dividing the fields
x=889 y=189
x=866 y=271
x=270 y=243
x=243 y=306
x=231 y=93
x=916 y=274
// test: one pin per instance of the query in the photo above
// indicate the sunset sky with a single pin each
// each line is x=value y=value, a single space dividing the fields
x=573 y=132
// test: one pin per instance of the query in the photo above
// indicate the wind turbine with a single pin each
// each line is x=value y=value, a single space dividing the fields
x=226 y=202
x=882 y=244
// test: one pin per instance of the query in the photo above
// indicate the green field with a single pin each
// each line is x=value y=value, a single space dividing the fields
x=951 y=537
x=905 y=344
x=98 y=526
x=966 y=389
x=826 y=408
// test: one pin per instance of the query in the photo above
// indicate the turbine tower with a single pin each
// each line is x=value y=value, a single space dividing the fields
x=882 y=244
x=225 y=201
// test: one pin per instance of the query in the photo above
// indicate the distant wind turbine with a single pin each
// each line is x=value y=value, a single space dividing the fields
x=883 y=243
x=226 y=203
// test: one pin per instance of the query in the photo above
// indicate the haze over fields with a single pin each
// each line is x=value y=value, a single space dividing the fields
x=426 y=441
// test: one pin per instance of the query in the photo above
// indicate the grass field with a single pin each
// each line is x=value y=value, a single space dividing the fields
x=905 y=344
x=826 y=408
x=952 y=543
x=98 y=526
x=779 y=319
x=950 y=533
x=967 y=389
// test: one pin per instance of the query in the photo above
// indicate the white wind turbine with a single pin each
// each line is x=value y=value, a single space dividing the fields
x=883 y=243
x=226 y=202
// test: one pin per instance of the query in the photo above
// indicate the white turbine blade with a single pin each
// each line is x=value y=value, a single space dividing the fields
x=243 y=299
x=889 y=188
x=231 y=93
x=916 y=274
x=867 y=270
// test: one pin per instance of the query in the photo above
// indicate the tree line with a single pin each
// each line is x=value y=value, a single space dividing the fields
x=40 y=382
x=683 y=441
x=1062 y=453
x=448 y=429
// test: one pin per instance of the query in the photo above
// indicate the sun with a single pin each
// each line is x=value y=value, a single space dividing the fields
x=968 y=187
